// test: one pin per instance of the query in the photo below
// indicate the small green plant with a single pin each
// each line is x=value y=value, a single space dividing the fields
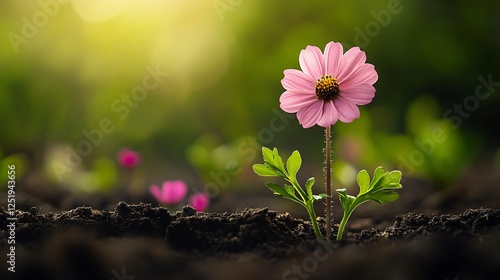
x=274 y=167
x=380 y=189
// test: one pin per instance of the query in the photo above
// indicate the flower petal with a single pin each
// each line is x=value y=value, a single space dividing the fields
x=297 y=80
x=311 y=62
x=156 y=192
x=351 y=60
x=174 y=191
x=291 y=101
x=308 y=116
x=363 y=74
x=348 y=111
x=330 y=114
x=360 y=94
x=333 y=55
x=199 y=201
x=128 y=158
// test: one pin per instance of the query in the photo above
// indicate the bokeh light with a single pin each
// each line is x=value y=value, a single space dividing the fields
x=194 y=89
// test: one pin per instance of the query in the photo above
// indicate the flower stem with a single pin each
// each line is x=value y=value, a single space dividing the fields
x=328 y=183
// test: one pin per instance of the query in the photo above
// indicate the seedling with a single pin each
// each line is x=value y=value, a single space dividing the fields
x=380 y=189
x=274 y=167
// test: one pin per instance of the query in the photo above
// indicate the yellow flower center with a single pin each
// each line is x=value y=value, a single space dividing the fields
x=327 y=88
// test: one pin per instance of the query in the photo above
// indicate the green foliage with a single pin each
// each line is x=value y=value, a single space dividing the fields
x=380 y=189
x=274 y=167
x=429 y=147
x=107 y=174
x=286 y=191
x=52 y=88
x=21 y=163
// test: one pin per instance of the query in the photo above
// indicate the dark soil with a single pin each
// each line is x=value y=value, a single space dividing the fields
x=144 y=242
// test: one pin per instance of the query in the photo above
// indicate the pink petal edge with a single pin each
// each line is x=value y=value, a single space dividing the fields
x=364 y=74
x=351 y=60
x=361 y=94
x=297 y=81
x=348 y=111
x=173 y=191
x=311 y=62
x=309 y=116
x=291 y=101
x=330 y=114
x=199 y=201
x=333 y=55
x=156 y=192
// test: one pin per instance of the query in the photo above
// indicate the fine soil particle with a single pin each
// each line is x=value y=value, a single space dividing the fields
x=152 y=243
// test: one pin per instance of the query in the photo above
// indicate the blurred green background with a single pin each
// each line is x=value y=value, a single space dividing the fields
x=65 y=66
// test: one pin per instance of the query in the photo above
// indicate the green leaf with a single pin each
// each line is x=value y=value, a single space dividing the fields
x=345 y=199
x=268 y=155
x=363 y=181
x=278 y=162
x=377 y=174
x=289 y=189
x=320 y=196
x=293 y=164
x=281 y=192
x=277 y=189
x=380 y=188
x=264 y=170
x=384 y=196
x=390 y=180
x=309 y=185
x=273 y=159
x=323 y=195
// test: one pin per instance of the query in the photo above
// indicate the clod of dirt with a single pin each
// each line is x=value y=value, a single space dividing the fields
x=253 y=230
x=152 y=243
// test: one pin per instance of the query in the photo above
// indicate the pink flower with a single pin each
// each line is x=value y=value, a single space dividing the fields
x=199 y=201
x=329 y=87
x=171 y=192
x=128 y=158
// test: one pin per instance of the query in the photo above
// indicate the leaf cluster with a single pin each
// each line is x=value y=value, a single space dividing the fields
x=275 y=167
x=380 y=189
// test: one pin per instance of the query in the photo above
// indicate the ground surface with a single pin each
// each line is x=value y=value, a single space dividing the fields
x=144 y=242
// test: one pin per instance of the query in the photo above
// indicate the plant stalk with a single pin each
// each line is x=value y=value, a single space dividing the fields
x=328 y=183
x=342 y=224
x=347 y=214
x=312 y=215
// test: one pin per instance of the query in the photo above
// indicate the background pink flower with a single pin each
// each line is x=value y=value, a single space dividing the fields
x=171 y=192
x=199 y=201
x=128 y=158
x=329 y=87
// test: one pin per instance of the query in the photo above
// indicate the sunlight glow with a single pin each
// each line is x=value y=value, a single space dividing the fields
x=98 y=10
